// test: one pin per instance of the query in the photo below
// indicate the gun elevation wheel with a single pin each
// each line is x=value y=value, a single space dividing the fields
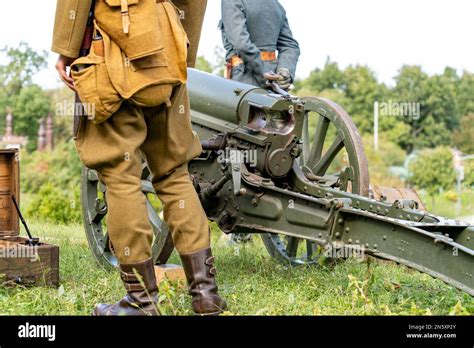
x=94 y=211
x=333 y=155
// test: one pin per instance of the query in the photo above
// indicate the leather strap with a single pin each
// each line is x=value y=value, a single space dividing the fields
x=265 y=56
x=236 y=61
x=125 y=16
x=268 y=56
x=128 y=277
x=133 y=287
x=228 y=70
x=131 y=282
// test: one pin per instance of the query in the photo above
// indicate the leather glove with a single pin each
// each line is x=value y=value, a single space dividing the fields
x=282 y=78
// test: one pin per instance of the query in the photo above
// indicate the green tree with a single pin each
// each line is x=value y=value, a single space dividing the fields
x=217 y=67
x=443 y=100
x=330 y=77
x=61 y=167
x=433 y=171
x=363 y=90
x=356 y=89
x=31 y=105
x=22 y=63
x=439 y=111
x=62 y=101
x=469 y=174
x=410 y=88
x=463 y=137
x=465 y=94
x=203 y=64
x=52 y=182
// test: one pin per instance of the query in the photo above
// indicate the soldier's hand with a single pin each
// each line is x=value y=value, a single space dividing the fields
x=282 y=78
x=286 y=79
x=61 y=66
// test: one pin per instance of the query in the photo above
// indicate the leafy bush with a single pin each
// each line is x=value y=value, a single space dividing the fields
x=469 y=174
x=389 y=154
x=462 y=137
x=51 y=181
x=60 y=167
x=53 y=204
x=451 y=196
x=433 y=170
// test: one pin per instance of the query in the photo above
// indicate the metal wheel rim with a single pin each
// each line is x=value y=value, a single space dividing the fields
x=334 y=114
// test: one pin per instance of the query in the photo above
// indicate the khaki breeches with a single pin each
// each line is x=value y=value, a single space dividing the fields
x=164 y=137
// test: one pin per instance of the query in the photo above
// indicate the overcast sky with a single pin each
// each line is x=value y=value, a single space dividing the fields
x=384 y=34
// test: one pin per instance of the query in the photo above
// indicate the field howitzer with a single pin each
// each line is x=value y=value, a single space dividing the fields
x=306 y=194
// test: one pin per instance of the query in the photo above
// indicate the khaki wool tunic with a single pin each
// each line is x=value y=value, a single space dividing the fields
x=71 y=21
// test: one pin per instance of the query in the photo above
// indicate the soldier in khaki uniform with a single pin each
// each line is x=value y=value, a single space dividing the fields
x=135 y=78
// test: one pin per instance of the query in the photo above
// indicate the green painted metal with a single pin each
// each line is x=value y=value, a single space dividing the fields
x=303 y=192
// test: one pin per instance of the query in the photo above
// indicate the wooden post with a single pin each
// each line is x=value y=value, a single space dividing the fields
x=49 y=133
x=9 y=126
x=42 y=136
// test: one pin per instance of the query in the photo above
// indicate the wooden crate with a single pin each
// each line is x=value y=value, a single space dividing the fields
x=169 y=272
x=28 y=265
x=21 y=263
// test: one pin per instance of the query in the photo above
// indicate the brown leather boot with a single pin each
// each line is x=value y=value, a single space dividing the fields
x=200 y=274
x=142 y=292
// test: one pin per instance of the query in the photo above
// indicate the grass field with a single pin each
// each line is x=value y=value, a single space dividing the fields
x=250 y=280
x=445 y=207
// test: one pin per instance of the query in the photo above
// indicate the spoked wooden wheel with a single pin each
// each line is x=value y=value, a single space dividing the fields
x=333 y=156
x=94 y=211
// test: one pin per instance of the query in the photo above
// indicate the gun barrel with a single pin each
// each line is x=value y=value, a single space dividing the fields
x=216 y=96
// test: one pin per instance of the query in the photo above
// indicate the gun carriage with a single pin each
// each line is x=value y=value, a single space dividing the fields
x=262 y=171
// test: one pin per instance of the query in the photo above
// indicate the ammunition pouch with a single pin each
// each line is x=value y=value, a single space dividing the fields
x=93 y=85
x=108 y=76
